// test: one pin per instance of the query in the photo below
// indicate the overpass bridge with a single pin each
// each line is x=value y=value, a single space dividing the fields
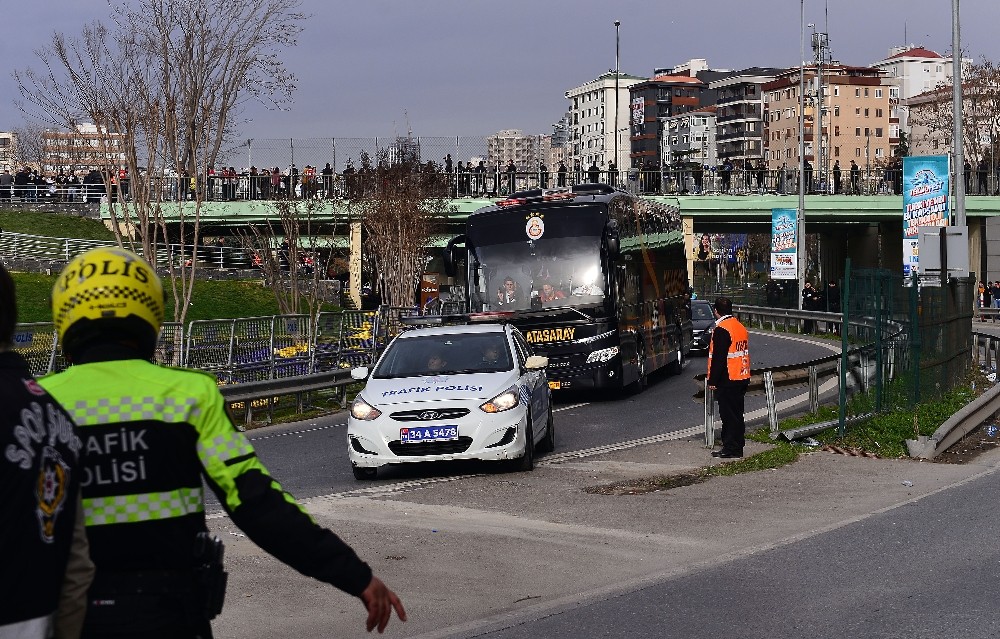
x=866 y=228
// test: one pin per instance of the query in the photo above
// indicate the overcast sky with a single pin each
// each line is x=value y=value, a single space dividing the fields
x=471 y=67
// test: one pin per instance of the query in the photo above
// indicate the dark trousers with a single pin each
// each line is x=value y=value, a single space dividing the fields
x=730 y=398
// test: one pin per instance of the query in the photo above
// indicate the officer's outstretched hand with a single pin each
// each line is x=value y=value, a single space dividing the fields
x=380 y=601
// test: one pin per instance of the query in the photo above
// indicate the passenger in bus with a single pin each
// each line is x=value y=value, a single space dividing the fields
x=549 y=293
x=508 y=294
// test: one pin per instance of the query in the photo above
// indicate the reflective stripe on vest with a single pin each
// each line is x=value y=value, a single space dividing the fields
x=37 y=628
x=738 y=357
x=122 y=509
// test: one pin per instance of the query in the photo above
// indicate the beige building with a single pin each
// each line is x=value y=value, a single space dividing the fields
x=858 y=121
x=8 y=151
x=595 y=108
x=80 y=150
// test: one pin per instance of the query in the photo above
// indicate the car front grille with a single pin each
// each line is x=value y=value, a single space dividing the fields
x=459 y=445
x=429 y=414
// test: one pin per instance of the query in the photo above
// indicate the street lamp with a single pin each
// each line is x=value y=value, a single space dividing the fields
x=801 y=221
x=618 y=23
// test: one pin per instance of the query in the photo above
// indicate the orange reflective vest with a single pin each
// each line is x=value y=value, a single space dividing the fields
x=738 y=357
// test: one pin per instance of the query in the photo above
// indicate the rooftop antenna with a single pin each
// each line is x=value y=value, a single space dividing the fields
x=409 y=129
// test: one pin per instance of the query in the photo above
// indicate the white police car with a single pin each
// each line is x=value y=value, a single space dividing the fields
x=450 y=392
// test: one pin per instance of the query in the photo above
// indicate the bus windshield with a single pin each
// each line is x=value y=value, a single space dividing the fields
x=538 y=258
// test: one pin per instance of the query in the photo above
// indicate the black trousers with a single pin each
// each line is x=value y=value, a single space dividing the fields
x=731 y=400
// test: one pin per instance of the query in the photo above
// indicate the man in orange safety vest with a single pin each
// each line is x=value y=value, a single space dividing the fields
x=729 y=376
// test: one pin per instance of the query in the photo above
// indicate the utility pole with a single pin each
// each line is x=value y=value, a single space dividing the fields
x=800 y=231
x=617 y=24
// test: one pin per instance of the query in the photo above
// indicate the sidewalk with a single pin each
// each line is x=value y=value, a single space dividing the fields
x=471 y=553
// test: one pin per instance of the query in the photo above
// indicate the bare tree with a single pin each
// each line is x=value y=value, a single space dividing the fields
x=291 y=255
x=30 y=149
x=163 y=85
x=932 y=119
x=403 y=203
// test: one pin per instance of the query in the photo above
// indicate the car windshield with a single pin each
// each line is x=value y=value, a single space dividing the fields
x=553 y=259
x=446 y=354
x=702 y=312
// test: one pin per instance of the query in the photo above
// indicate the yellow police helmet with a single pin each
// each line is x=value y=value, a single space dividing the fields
x=104 y=287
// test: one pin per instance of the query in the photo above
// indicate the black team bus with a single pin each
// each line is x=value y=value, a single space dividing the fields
x=594 y=277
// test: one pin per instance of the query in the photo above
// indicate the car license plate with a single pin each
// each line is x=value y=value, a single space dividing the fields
x=555 y=385
x=417 y=434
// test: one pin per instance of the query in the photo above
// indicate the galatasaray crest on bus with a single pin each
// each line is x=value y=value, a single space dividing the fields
x=925 y=202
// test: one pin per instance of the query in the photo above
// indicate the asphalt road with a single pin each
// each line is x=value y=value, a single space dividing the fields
x=310 y=458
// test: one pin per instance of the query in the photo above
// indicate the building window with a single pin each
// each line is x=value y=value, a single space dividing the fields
x=878 y=132
x=866 y=92
x=868 y=132
x=836 y=111
x=878 y=151
x=857 y=152
x=836 y=91
x=866 y=113
x=836 y=151
x=857 y=111
x=857 y=93
x=878 y=93
x=836 y=131
x=878 y=113
x=857 y=132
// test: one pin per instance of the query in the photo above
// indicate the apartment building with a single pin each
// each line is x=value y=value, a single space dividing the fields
x=8 y=151
x=690 y=137
x=82 y=149
x=653 y=102
x=915 y=71
x=592 y=114
x=740 y=114
x=857 y=120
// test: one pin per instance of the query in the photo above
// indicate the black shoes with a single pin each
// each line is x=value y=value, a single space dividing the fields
x=726 y=454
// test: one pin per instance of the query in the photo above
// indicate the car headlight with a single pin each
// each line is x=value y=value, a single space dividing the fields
x=360 y=409
x=504 y=401
x=603 y=355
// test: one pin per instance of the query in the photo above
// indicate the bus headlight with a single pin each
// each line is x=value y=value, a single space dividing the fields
x=603 y=355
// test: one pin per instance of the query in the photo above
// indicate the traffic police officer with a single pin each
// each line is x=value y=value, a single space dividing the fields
x=150 y=434
x=729 y=376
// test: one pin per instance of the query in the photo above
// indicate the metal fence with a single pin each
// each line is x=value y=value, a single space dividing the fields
x=250 y=348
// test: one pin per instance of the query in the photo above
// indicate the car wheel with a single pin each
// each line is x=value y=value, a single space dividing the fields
x=364 y=473
x=526 y=461
x=549 y=443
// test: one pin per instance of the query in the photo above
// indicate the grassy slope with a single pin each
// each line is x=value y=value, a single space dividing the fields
x=211 y=299
x=54 y=225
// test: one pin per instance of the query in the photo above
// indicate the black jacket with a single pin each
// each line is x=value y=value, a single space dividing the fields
x=40 y=471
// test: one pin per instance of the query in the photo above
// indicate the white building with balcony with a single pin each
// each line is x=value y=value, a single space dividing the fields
x=592 y=120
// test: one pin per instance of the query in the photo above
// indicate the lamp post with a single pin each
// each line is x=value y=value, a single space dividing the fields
x=956 y=96
x=617 y=24
x=801 y=218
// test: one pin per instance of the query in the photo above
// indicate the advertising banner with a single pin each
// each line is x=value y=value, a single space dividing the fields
x=784 y=244
x=925 y=202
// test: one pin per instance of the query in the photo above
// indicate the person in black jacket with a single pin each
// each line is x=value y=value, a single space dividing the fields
x=46 y=568
x=154 y=437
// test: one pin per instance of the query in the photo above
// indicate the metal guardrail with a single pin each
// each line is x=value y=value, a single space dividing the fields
x=808 y=373
x=969 y=417
x=250 y=394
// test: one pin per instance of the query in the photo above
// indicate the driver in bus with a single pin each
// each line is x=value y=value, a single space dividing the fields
x=508 y=294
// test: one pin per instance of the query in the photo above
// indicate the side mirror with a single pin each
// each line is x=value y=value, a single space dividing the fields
x=450 y=255
x=360 y=373
x=536 y=362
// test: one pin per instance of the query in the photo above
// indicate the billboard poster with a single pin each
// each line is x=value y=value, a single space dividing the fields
x=925 y=202
x=784 y=244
